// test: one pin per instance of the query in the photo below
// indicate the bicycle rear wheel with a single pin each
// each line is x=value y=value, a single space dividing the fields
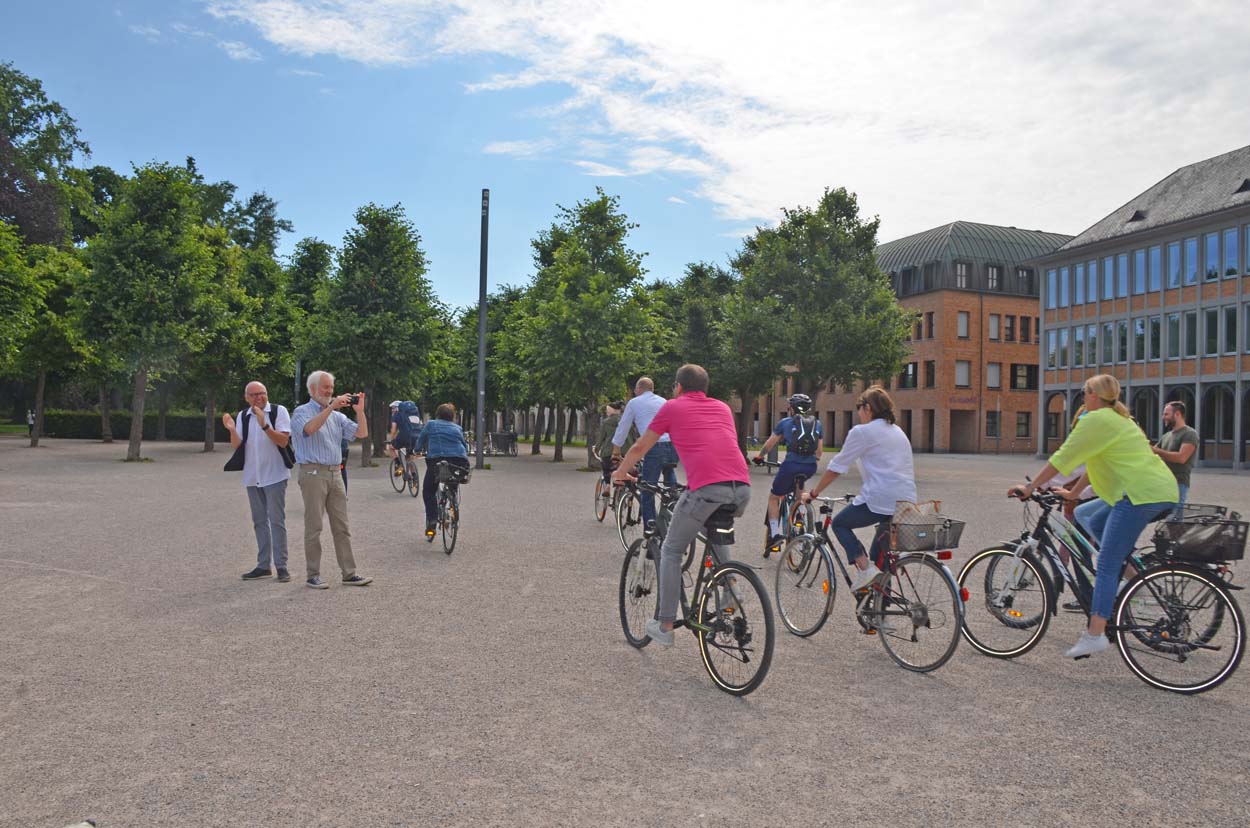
x=602 y=498
x=737 y=630
x=917 y=613
x=450 y=518
x=629 y=519
x=1179 y=630
x=414 y=481
x=804 y=587
x=397 y=475
x=639 y=590
x=1008 y=602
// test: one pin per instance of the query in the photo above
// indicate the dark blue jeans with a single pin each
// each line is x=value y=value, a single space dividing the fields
x=659 y=455
x=850 y=518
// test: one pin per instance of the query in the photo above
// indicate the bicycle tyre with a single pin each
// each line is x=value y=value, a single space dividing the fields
x=734 y=628
x=629 y=519
x=638 y=593
x=397 y=475
x=1156 y=611
x=450 y=520
x=804 y=586
x=414 y=485
x=601 y=501
x=801 y=520
x=921 y=588
x=993 y=623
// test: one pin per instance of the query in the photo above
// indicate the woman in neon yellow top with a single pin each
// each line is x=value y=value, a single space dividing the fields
x=1126 y=474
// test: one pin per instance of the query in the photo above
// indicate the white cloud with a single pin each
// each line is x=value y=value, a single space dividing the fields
x=1035 y=114
x=148 y=33
x=188 y=30
x=237 y=50
x=519 y=149
x=303 y=73
x=676 y=200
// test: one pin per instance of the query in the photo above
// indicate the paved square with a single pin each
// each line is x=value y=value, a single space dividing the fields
x=145 y=684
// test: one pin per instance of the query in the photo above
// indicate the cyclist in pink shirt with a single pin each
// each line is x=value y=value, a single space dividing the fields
x=702 y=430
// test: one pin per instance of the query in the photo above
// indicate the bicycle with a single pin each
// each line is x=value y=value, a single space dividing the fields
x=797 y=516
x=628 y=509
x=404 y=472
x=914 y=607
x=1170 y=613
x=447 y=498
x=727 y=611
x=606 y=496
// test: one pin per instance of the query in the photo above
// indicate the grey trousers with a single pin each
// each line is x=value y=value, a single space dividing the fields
x=325 y=495
x=269 y=521
x=689 y=515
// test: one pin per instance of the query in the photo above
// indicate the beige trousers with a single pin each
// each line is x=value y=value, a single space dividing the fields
x=323 y=493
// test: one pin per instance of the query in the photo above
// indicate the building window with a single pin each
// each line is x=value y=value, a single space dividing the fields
x=1023 y=376
x=961 y=275
x=1156 y=268
x=1052 y=423
x=1139 y=340
x=1078 y=346
x=1121 y=275
x=1230 y=329
x=961 y=325
x=1024 y=281
x=930 y=373
x=1063 y=287
x=1154 y=334
x=1024 y=330
x=994 y=375
x=1232 y=252
x=1191 y=261
x=1139 y=271
x=1108 y=278
x=1078 y=285
x=1191 y=333
x=1212 y=259
x=991 y=424
x=1174 y=264
x=1121 y=341
x=1174 y=335
x=1052 y=289
x=1009 y=328
x=919 y=332
x=1024 y=426
x=1246 y=327
x=1063 y=347
x=994 y=323
x=928 y=325
x=993 y=277
x=1091 y=345
x=963 y=373
x=1091 y=286
x=1052 y=349
x=1211 y=332
x=1245 y=234
x=1108 y=343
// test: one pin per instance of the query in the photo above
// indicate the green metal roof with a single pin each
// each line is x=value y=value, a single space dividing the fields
x=968 y=241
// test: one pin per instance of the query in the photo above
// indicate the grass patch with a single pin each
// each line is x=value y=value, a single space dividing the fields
x=12 y=428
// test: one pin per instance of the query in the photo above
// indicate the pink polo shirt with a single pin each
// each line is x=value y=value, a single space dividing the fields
x=702 y=430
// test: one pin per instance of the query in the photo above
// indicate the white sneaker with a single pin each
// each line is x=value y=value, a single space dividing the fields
x=863 y=578
x=658 y=634
x=1087 y=645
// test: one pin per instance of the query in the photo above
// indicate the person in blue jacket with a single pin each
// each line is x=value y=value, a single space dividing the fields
x=441 y=440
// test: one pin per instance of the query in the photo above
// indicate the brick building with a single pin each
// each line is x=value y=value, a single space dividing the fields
x=1158 y=294
x=971 y=382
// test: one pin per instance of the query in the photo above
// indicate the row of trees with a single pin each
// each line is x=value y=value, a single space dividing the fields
x=160 y=280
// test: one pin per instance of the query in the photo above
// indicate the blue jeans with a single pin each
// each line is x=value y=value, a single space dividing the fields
x=850 y=518
x=1179 y=513
x=1092 y=515
x=660 y=454
x=1123 y=524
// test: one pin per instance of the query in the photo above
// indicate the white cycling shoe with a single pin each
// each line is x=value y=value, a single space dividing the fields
x=863 y=578
x=1087 y=645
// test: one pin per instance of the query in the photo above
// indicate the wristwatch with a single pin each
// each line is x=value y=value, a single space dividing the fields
x=265 y=427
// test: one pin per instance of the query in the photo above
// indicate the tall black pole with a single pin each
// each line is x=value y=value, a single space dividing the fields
x=481 y=333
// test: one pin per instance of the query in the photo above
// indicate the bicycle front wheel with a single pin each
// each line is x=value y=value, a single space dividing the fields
x=1179 y=630
x=735 y=629
x=1008 y=602
x=451 y=521
x=917 y=613
x=602 y=498
x=629 y=519
x=397 y=475
x=804 y=587
x=639 y=590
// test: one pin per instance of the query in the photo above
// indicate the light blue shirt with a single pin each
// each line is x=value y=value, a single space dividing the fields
x=325 y=445
x=639 y=412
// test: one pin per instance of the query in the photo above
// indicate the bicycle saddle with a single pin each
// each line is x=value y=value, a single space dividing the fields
x=668 y=467
x=720 y=525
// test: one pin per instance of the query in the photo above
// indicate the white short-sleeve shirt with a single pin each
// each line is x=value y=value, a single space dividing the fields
x=262 y=465
x=883 y=454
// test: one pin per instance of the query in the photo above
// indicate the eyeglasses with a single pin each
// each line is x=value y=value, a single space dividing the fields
x=255 y=394
x=862 y=405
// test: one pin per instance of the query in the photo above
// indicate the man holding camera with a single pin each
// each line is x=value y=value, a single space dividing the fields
x=318 y=429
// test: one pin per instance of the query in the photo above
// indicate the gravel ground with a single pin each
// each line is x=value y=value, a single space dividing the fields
x=144 y=684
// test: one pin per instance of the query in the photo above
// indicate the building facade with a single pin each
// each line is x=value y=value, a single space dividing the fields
x=1158 y=294
x=971 y=381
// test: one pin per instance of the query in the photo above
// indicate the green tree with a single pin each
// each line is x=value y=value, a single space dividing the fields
x=20 y=296
x=309 y=271
x=150 y=267
x=255 y=225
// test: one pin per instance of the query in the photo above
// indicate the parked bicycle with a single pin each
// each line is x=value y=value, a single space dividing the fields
x=727 y=609
x=450 y=479
x=1175 y=623
x=915 y=607
x=404 y=473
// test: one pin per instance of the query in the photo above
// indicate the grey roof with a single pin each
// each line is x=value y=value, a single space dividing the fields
x=1206 y=187
x=968 y=241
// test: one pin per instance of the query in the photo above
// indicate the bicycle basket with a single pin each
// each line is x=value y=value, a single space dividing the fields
x=1199 y=510
x=453 y=474
x=1202 y=539
x=925 y=533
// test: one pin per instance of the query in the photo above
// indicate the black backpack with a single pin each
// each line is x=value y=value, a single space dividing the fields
x=235 y=463
x=805 y=438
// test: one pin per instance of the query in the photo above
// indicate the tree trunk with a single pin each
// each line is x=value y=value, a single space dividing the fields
x=551 y=424
x=366 y=448
x=106 y=422
x=210 y=420
x=162 y=391
x=558 y=457
x=744 y=418
x=40 y=384
x=572 y=432
x=536 y=447
x=593 y=420
x=379 y=422
x=137 y=400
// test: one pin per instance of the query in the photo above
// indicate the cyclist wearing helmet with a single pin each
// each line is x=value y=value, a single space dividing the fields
x=804 y=440
x=405 y=426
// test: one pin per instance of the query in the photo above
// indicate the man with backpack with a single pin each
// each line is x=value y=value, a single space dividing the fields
x=405 y=425
x=803 y=436
x=264 y=432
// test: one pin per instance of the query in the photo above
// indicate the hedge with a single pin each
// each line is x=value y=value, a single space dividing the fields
x=86 y=425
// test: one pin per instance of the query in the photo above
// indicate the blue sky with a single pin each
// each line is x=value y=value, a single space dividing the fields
x=704 y=117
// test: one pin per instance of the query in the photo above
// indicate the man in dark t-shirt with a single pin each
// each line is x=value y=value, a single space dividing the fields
x=1178 y=447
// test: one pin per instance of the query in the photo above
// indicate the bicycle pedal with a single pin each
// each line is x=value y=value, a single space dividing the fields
x=1078 y=658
